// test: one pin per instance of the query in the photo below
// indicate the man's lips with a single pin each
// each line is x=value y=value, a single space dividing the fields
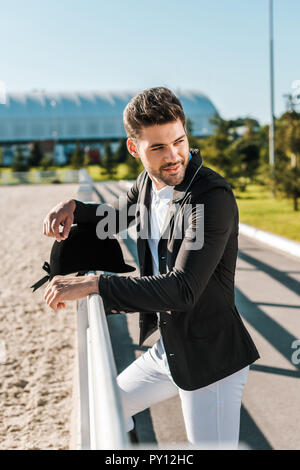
x=173 y=169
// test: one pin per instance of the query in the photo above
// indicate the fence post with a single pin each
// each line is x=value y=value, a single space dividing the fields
x=5 y=177
x=86 y=189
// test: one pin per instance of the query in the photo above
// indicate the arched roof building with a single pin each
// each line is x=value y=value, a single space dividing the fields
x=85 y=116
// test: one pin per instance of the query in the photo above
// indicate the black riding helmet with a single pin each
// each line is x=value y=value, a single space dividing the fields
x=81 y=252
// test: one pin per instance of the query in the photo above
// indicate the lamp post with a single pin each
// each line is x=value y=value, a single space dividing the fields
x=272 y=127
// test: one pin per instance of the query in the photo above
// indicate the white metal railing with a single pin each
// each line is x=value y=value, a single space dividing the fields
x=108 y=431
x=101 y=423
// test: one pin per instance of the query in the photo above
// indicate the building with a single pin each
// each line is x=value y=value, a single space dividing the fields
x=88 y=117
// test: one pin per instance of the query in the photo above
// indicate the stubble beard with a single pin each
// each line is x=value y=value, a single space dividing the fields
x=172 y=180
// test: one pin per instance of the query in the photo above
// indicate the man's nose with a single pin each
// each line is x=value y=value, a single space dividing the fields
x=172 y=156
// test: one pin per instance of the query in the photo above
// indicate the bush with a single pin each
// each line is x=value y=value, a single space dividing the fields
x=19 y=163
x=77 y=160
x=46 y=162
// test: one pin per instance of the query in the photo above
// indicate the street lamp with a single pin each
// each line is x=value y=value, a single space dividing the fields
x=272 y=127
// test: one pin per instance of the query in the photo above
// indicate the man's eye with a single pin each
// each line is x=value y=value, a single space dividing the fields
x=160 y=148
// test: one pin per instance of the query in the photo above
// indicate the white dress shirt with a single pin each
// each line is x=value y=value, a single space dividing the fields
x=159 y=206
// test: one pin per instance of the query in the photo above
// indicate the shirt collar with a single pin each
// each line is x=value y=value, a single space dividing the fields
x=163 y=193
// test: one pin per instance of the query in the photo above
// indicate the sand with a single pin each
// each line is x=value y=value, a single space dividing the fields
x=36 y=343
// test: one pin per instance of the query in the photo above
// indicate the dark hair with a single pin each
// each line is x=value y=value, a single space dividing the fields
x=149 y=107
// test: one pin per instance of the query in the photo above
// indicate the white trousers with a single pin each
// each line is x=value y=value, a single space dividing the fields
x=211 y=414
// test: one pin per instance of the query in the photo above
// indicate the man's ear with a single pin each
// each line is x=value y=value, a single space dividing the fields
x=132 y=148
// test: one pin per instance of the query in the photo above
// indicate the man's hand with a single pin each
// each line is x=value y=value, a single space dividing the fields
x=63 y=288
x=62 y=214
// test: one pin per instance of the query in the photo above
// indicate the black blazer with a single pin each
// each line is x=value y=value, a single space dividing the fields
x=203 y=334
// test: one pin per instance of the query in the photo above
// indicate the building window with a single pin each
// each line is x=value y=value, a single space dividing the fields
x=92 y=129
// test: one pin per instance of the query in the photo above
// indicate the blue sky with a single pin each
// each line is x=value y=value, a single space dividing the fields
x=219 y=47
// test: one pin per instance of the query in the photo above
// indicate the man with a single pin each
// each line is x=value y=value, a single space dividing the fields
x=186 y=286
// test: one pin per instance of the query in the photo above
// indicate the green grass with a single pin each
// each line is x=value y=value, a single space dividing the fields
x=98 y=174
x=258 y=208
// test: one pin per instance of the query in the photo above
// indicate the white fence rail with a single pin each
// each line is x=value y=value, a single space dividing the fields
x=100 y=419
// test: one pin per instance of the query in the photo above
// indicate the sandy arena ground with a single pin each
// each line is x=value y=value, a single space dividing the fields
x=37 y=376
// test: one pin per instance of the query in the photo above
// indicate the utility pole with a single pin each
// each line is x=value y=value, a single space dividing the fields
x=272 y=127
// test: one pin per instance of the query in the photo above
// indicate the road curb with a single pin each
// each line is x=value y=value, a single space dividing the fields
x=275 y=241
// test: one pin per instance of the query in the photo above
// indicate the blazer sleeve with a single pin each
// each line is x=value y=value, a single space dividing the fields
x=93 y=213
x=180 y=288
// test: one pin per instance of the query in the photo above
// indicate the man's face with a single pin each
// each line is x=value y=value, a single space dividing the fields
x=164 y=152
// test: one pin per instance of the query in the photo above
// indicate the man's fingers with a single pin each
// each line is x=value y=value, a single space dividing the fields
x=47 y=227
x=52 y=297
x=48 y=292
x=52 y=301
x=52 y=294
x=55 y=229
x=67 y=226
x=55 y=304
x=62 y=214
x=61 y=305
x=49 y=289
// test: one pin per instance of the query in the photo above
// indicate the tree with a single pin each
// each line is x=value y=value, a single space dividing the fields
x=19 y=162
x=247 y=145
x=234 y=149
x=121 y=154
x=46 y=162
x=189 y=126
x=36 y=155
x=287 y=169
x=108 y=161
x=287 y=180
x=222 y=152
x=291 y=137
x=77 y=159
x=193 y=142
x=135 y=166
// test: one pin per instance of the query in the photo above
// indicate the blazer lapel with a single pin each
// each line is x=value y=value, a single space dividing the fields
x=143 y=222
x=180 y=190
